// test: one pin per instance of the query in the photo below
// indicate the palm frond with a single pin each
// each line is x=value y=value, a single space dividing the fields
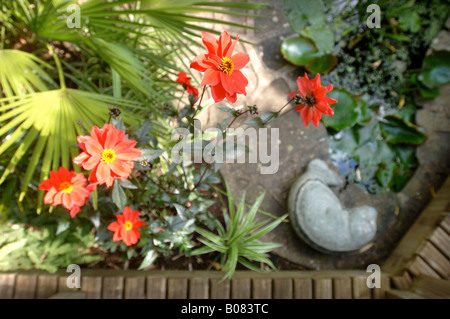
x=22 y=73
x=51 y=120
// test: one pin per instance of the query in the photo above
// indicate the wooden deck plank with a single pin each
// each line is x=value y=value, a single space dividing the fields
x=303 y=288
x=156 y=288
x=380 y=293
x=431 y=287
x=241 y=288
x=198 y=288
x=177 y=288
x=7 y=286
x=112 y=287
x=402 y=294
x=220 y=290
x=262 y=288
x=342 y=288
x=283 y=289
x=134 y=288
x=435 y=259
x=446 y=224
x=323 y=288
x=62 y=285
x=25 y=287
x=47 y=286
x=420 y=267
x=421 y=230
x=441 y=239
x=403 y=282
x=360 y=289
x=92 y=286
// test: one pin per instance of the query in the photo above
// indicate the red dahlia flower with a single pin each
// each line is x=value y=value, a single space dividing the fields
x=66 y=188
x=186 y=81
x=221 y=67
x=126 y=227
x=311 y=99
x=107 y=153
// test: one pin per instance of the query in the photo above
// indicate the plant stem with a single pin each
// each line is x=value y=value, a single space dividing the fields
x=229 y=125
x=182 y=94
x=286 y=105
x=200 y=180
x=2 y=44
x=62 y=81
x=199 y=103
x=185 y=176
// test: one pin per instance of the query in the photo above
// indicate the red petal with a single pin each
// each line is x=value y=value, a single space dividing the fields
x=211 y=77
x=231 y=98
x=94 y=148
x=74 y=211
x=48 y=198
x=239 y=82
x=81 y=158
x=227 y=83
x=240 y=60
x=224 y=43
x=218 y=92
x=111 y=138
x=210 y=42
x=104 y=174
x=304 y=85
x=228 y=52
x=67 y=200
x=114 y=226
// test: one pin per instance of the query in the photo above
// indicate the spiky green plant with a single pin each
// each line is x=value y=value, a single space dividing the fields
x=239 y=240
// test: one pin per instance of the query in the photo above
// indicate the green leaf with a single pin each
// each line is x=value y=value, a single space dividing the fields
x=118 y=196
x=365 y=114
x=7 y=249
x=396 y=130
x=228 y=110
x=269 y=117
x=323 y=64
x=149 y=259
x=409 y=20
x=345 y=114
x=126 y=184
x=436 y=70
x=300 y=12
x=299 y=50
x=386 y=174
x=255 y=122
x=322 y=37
x=406 y=154
x=149 y=155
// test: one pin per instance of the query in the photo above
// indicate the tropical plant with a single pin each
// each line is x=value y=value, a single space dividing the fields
x=239 y=240
x=122 y=54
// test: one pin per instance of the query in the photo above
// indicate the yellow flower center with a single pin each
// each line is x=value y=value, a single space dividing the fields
x=108 y=156
x=227 y=66
x=128 y=225
x=65 y=187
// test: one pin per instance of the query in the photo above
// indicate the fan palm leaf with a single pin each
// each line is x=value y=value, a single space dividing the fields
x=51 y=120
x=21 y=73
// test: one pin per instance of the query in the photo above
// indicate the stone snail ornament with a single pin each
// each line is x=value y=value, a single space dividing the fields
x=318 y=217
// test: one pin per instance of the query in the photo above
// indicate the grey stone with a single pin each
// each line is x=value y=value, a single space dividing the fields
x=318 y=217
